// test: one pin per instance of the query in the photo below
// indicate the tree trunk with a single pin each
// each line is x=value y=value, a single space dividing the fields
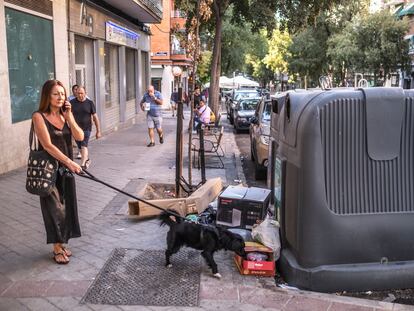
x=193 y=74
x=219 y=7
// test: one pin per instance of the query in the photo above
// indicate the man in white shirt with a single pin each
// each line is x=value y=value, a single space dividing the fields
x=202 y=115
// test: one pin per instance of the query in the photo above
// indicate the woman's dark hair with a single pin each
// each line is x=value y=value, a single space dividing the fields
x=74 y=86
x=44 y=104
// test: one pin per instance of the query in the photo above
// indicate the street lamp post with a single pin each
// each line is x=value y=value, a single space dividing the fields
x=177 y=71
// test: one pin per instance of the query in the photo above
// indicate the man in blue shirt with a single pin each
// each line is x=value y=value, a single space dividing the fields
x=151 y=103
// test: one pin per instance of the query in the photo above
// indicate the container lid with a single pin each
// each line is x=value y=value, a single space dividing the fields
x=257 y=194
x=234 y=192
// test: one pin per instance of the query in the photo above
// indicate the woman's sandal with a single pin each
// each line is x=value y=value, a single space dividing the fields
x=67 y=252
x=60 y=254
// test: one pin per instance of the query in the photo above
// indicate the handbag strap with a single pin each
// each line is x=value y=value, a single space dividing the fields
x=32 y=136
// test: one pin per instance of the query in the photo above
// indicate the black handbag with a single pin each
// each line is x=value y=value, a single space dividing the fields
x=42 y=169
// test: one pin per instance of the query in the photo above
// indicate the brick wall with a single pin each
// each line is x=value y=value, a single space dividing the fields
x=160 y=41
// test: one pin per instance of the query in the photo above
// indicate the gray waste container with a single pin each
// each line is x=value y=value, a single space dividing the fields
x=344 y=183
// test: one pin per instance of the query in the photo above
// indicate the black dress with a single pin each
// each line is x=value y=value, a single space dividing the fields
x=59 y=209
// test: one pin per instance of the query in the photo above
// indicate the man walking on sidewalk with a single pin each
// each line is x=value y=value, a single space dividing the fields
x=84 y=111
x=151 y=103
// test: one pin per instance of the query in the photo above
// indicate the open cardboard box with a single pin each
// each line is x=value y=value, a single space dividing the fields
x=263 y=268
x=197 y=202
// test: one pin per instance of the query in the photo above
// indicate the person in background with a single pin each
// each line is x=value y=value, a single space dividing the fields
x=55 y=125
x=151 y=102
x=174 y=101
x=197 y=97
x=74 y=92
x=202 y=115
x=84 y=111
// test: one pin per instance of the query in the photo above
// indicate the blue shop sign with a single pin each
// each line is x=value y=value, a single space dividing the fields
x=121 y=35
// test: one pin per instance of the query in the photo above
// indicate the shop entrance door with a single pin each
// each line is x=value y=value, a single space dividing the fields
x=84 y=65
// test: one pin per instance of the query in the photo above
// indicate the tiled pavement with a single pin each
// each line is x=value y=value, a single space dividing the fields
x=29 y=280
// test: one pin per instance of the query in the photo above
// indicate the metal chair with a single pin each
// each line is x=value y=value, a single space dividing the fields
x=212 y=148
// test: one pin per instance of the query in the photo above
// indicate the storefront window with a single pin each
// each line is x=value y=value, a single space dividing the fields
x=30 y=58
x=130 y=73
x=111 y=74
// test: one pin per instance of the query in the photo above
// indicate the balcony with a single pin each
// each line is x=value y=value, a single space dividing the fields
x=146 y=11
x=177 y=51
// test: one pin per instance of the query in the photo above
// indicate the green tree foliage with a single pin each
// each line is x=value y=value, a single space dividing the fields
x=371 y=44
x=254 y=58
x=295 y=15
x=279 y=44
x=307 y=54
x=236 y=42
x=203 y=69
x=258 y=13
x=308 y=51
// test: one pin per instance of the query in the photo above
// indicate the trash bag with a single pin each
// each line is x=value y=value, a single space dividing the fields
x=208 y=216
x=267 y=233
x=245 y=234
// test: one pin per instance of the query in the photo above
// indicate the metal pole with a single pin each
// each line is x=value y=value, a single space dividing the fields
x=202 y=159
x=179 y=142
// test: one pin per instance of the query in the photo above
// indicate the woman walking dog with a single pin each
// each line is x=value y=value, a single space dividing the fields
x=54 y=126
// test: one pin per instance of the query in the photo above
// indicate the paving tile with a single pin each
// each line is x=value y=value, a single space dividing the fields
x=337 y=306
x=27 y=289
x=263 y=298
x=300 y=303
x=38 y=304
x=68 y=303
x=68 y=288
x=223 y=292
x=11 y=304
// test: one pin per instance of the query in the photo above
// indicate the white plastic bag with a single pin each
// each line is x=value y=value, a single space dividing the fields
x=267 y=233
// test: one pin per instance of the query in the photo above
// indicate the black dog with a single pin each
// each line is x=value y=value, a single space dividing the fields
x=207 y=238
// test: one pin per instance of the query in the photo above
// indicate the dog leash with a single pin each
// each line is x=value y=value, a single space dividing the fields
x=85 y=174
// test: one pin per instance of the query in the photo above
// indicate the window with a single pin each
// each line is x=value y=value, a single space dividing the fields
x=111 y=74
x=31 y=60
x=176 y=48
x=130 y=73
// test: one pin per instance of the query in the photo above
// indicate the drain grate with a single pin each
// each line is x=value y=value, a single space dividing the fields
x=139 y=277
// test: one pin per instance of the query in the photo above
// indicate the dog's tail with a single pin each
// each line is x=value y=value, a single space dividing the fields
x=165 y=218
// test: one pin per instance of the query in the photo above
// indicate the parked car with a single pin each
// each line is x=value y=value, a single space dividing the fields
x=260 y=137
x=237 y=96
x=243 y=111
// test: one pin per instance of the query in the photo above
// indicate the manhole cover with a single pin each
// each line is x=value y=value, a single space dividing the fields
x=139 y=277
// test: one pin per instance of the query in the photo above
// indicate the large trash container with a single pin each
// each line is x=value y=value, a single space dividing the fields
x=344 y=183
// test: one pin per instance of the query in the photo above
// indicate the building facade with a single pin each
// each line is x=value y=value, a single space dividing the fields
x=167 y=52
x=104 y=45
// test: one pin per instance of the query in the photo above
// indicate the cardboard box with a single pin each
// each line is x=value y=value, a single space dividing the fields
x=263 y=268
x=196 y=203
x=242 y=207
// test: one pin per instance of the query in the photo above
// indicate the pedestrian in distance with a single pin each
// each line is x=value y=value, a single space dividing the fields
x=74 y=92
x=174 y=101
x=197 y=97
x=54 y=126
x=152 y=103
x=84 y=111
x=202 y=115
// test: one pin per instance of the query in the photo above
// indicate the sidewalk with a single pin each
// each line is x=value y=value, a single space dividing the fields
x=29 y=280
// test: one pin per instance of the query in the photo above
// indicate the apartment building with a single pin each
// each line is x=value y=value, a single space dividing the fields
x=167 y=51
